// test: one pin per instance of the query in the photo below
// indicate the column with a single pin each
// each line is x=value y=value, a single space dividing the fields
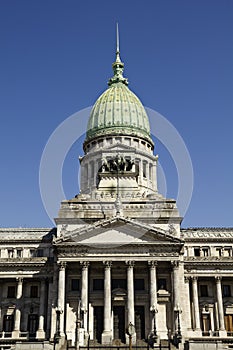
x=130 y=301
x=107 y=332
x=61 y=298
x=130 y=292
x=19 y=293
x=220 y=306
x=40 y=334
x=195 y=304
x=153 y=294
x=84 y=293
x=187 y=308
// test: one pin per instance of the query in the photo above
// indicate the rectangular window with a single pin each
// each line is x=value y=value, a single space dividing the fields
x=40 y=252
x=139 y=284
x=75 y=285
x=8 y=323
x=119 y=283
x=11 y=292
x=226 y=290
x=162 y=283
x=10 y=253
x=98 y=284
x=19 y=253
x=32 y=253
x=205 y=251
x=196 y=251
x=219 y=252
x=34 y=292
x=204 y=290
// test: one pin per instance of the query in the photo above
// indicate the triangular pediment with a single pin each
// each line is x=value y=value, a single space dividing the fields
x=115 y=231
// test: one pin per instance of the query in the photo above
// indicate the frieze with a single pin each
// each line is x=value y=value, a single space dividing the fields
x=208 y=234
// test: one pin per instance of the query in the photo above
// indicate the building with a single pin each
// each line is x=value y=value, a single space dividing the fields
x=118 y=268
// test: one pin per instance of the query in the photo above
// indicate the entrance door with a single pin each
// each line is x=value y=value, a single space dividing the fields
x=8 y=323
x=229 y=323
x=98 y=322
x=140 y=322
x=119 y=323
x=32 y=325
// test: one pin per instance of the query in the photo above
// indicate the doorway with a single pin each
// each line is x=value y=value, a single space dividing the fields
x=119 y=323
x=140 y=321
x=33 y=322
x=98 y=322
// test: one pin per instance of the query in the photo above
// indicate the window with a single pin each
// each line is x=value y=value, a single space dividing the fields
x=75 y=285
x=162 y=283
x=196 y=251
x=40 y=252
x=219 y=251
x=34 y=292
x=205 y=251
x=8 y=323
x=11 y=292
x=204 y=290
x=228 y=251
x=19 y=253
x=139 y=284
x=10 y=253
x=144 y=169
x=98 y=284
x=226 y=290
x=32 y=253
x=119 y=283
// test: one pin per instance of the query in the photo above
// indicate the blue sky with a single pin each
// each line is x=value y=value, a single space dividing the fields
x=56 y=59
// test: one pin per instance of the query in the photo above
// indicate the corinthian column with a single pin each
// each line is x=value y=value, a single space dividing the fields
x=19 y=293
x=107 y=332
x=153 y=293
x=130 y=292
x=84 y=293
x=61 y=298
x=220 y=306
x=196 y=304
x=40 y=334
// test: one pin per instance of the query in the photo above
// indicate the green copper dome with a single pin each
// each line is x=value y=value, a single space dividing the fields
x=118 y=110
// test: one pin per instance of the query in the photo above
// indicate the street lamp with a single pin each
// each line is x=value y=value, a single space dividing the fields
x=131 y=332
x=57 y=334
x=178 y=336
x=153 y=335
x=78 y=323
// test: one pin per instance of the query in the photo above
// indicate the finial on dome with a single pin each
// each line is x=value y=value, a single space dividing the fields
x=118 y=66
x=118 y=59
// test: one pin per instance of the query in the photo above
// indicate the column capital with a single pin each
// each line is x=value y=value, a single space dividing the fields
x=84 y=264
x=107 y=264
x=62 y=265
x=175 y=264
x=152 y=264
x=130 y=263
x=218 y=279
x=187 y=279
x=194 y=278
x=19 y=280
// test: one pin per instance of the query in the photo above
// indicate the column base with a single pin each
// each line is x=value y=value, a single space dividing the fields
x=40 y=334
x=106 y=337
x=222 y=333
x=15 y=334
x=197 y=332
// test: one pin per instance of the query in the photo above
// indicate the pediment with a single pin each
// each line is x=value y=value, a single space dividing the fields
x=117 y=231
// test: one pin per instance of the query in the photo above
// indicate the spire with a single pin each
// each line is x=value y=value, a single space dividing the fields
x=118 y=59
x=118 y=66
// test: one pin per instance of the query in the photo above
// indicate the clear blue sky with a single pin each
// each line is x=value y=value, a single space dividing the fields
x=56 y=58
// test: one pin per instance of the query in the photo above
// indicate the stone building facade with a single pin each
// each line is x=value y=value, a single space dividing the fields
x=118 y=267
